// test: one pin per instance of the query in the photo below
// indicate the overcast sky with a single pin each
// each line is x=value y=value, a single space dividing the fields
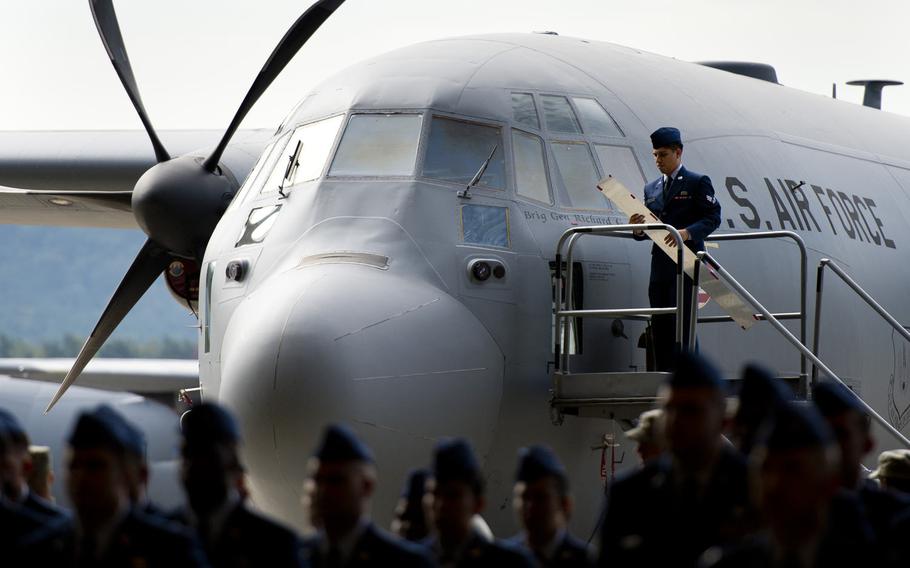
x=195 y=59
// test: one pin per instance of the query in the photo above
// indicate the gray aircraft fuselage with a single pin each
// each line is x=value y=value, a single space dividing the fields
x=354 y=300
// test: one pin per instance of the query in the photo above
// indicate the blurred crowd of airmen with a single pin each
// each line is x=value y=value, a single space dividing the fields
x=773 y=482
x=114 y=524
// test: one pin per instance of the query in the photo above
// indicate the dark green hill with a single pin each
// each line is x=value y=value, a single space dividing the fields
x=54 y=283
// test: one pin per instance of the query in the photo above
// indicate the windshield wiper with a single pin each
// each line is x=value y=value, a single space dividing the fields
x=291 y=170
x=479 y=175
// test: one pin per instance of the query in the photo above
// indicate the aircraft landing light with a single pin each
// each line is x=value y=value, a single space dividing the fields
x=60 y=201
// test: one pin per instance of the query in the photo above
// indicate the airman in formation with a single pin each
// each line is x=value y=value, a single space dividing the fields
x=777 y=483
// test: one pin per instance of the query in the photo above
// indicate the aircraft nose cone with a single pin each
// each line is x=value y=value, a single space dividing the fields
x=399 y=360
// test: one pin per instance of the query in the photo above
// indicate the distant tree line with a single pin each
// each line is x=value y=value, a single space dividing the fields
x=69 y=345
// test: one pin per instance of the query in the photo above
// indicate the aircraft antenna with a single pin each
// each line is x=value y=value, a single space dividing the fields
x=872 y=93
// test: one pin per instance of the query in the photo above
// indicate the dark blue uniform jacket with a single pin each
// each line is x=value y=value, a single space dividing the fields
x=44 y=508
x=249 y=539
x=375 y=548
x=653 y=520
x=690 y=205
x=139 y=540
x=481 y=553
x=570 y=552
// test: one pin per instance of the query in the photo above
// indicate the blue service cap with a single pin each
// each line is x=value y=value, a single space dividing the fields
x=537 y=462
x=454 y=460
x=797 y=426
x=833 y=398
x=339 y=444
x=105 y=427
x=11 y=429
x=415 y=485
x=207 y=424
x=692 y=370
x=665 y=136
x=760 y=392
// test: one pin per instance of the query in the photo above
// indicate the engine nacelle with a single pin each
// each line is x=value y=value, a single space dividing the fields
x=182 y=278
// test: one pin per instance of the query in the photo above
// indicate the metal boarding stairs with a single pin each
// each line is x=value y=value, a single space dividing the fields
x=624 y=395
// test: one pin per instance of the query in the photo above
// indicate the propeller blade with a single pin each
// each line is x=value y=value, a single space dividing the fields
x=305 y=26
x=148 y=265
x=109 y=30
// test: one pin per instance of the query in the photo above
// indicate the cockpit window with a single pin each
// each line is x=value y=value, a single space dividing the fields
x=485 y=225
x=258 y=224
x=530 y=171
x=620 y=162
x=524 y=111
x=304 y=155
x=579 y=176
x=255 y=177
x=595 y=119
x=378 y=145
x=559 y=114
x=456 y=150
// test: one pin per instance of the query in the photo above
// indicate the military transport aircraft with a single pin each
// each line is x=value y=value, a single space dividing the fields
x=390 y=259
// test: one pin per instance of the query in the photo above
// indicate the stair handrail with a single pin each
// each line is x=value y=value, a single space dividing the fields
x=803 y=277
x=819 y=284
x=741 y=290
x=563 y=315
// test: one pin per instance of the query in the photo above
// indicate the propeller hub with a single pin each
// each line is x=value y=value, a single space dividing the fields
x=178 y=203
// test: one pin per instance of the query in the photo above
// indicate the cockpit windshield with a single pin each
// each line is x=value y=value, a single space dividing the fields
x=382 y=145
x=378 y=145
x=456 y=150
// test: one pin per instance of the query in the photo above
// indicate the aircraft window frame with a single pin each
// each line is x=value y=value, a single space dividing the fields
x=603 y=167
x=582 y=121
x=294 y=111
x=504 y=149
x=598 y=173
x=250 y=190
x=548 y=178
x=579 y=131
x=258 y=225
x=537 y=121
x=418 y=149
x=562 y=199
x=276 y=174
x=495 y=234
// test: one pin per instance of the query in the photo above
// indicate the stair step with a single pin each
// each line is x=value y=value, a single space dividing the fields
x=607 y=385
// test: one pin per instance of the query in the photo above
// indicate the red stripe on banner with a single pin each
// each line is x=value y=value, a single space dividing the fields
x=703 y=298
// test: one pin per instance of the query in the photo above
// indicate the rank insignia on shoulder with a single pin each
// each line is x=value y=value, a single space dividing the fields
x=711 y=199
